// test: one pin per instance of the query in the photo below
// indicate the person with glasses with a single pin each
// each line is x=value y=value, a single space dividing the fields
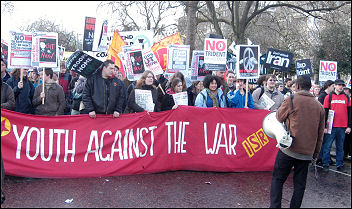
x=270 y=93
x=146 y=82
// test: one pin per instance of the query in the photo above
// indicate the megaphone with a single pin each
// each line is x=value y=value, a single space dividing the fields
x=276 y=130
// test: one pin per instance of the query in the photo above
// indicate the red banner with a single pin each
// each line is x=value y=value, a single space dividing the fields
x=187 y=138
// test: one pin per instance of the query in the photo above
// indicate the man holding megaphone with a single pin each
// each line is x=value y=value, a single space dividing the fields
x=307 y=124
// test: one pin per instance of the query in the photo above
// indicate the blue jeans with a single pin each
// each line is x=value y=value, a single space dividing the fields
x=339 y=135
x=325 y=139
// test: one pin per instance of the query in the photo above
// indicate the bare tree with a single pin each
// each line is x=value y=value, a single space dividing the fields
x=7 y=6
x=240 y=14
x=65 y=38
x=143 y=15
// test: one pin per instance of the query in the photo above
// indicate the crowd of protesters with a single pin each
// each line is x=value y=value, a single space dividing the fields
x=107 y=92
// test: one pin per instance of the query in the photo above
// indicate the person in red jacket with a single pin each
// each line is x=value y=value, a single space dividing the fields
x=341 y=105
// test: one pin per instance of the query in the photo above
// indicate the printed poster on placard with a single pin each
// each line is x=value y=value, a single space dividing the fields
x=144 y=99
x=20 y=48
x=215 y=51
x=328 y=70
x=248 y=66
x=178 y=58
x=266 y=102
x=145 y=38
x=181 y=98
x=45 y=49
x=132 y=60
x=199 y=68
x=88 y=37
x=151 y=63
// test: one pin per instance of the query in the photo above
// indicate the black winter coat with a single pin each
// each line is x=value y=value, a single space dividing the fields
x=104 y=96
x=132 y=105
x=23 y=96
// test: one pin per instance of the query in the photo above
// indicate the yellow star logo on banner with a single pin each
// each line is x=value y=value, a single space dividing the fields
x=5 y=126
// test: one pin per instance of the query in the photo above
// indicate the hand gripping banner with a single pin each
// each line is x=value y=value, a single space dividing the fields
x=187 y=138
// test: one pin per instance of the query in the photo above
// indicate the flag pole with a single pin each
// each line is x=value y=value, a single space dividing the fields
x=246 y=103
x=43 y=90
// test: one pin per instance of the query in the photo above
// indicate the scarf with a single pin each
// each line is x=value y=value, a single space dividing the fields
x=213 y=97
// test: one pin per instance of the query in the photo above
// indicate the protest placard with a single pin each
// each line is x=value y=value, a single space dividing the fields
x=303 y=67
x=61 y=53
x=4 y=50
x=88 y=38
x=330 y=121
x=44 y=49
x=181 y=98
x=177 y=58
x=215 y=51
x=199 y=68
x=132 y=60
x=151 y=63
x=247 y=62
x=144 y=99
x=103 y=45
x=20 y=48
x=328 y=70
x=145 y=38
x=278 y=60
x=82 y=63
x=266 y=102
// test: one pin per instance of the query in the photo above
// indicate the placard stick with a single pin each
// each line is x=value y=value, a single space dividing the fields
x=21 y=78
x=161 y=88
x=43 y=84
x=245 y=104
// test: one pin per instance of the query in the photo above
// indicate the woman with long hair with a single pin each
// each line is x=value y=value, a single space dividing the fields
x=144 y=83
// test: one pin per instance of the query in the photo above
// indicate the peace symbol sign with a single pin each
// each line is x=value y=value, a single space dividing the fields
x=249 y=60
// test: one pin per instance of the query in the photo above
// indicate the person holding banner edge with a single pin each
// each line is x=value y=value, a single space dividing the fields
x=103 y=93
x=146 y=82
x=211 y=95
x=53 y=95
x=23 y=90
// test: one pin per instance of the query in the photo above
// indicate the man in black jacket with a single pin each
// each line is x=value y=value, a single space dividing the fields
x=103 y=93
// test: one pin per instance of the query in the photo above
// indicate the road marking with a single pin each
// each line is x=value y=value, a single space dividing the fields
x=346 y=174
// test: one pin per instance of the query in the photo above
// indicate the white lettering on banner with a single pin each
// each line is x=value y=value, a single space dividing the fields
x=178 y=141
x=303 y=72
x=39 y=143
x=130 y=144
x=217 y=140
x=338 y=102
x=279 y=61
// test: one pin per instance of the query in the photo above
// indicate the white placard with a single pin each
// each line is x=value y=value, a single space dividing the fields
x=328 y=70
x=215 y=51
x=151 y=62
x=266 y=102
x=181 y=98
x=330 y=120
x=20 y=50
x=177 y=58
x=144 y=99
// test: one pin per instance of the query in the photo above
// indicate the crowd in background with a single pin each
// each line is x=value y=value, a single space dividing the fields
x=108 y=92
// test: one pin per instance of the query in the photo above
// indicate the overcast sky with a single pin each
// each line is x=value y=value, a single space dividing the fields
x=70 y=14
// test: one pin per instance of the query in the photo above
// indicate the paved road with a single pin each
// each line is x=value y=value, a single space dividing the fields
x=177 y=189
